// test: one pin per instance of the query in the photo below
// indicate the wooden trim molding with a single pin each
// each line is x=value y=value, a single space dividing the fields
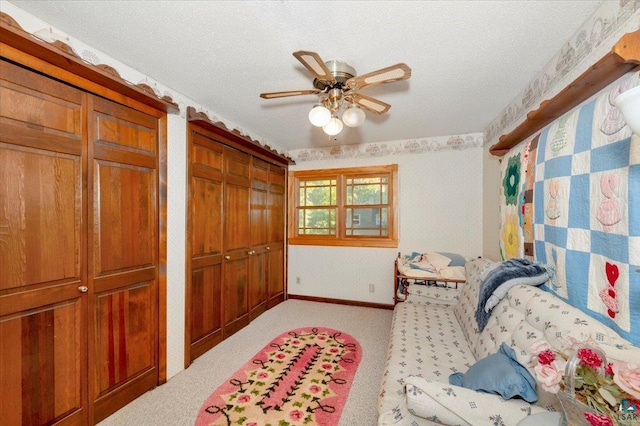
x=64 y=57
x=236 y=139
x=341 y=301
x=623 y=57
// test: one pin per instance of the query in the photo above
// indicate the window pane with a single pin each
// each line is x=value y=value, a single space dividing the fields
x=317 y=192
x=371 y=190
x=367 y=221
x=317 y=221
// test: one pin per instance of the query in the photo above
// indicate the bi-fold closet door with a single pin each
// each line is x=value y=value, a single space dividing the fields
x=79 y=251
x=235 y=267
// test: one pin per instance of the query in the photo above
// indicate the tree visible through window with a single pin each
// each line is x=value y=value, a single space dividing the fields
x=354 y=206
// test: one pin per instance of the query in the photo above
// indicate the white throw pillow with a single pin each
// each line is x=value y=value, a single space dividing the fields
x=438 y=260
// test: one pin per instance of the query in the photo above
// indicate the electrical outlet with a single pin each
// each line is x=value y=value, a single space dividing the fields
x=297 y=280
x=372 y=288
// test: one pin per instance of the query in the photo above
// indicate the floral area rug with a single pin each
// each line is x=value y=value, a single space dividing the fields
x=302 y=377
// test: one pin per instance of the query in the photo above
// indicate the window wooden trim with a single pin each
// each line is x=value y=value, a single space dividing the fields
x=340 y=239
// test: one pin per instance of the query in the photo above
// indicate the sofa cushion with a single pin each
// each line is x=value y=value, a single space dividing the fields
x=465 y=310
x=424 y=341
x=428 y=294
x=499 y=373
x=448 y=404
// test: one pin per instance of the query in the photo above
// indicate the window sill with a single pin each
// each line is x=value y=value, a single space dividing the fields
x=344 y=242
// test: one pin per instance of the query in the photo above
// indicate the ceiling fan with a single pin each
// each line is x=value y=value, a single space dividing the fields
x=338 y=84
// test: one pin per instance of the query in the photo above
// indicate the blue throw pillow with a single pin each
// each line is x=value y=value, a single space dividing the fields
x=499 y=373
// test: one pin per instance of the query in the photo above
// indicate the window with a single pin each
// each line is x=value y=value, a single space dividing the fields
x=344 y=207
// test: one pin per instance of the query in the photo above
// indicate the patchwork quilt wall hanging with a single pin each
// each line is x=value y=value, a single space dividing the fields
x=581 y=211
x=516 y=201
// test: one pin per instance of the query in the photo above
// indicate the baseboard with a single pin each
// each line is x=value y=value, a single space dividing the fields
x=340 y=301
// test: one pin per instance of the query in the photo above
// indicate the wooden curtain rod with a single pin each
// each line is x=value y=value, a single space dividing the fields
x=623 y=57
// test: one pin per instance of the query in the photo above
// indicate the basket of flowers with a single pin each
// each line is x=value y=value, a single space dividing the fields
x=591 y=391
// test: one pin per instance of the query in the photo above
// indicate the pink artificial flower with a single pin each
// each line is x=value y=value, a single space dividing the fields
x=546 y=357
x=589 y=358
x=549 y=376
x=608 y=369
x=627 y=376
x=296 y=415
x=539 y=346
x=597 y=419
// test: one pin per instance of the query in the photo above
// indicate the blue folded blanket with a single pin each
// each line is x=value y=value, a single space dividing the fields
x=506 y=275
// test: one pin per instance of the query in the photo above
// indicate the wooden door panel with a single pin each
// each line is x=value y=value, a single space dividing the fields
x=204 y=318
x=258 y=283
x=125 y=335
x=206 y=155
x=124 y=256
x=259 y=222
x=277 y=187
x=44 y=106
x=43 y=327
x=275 y=273
x=236 y=167
x=41 y=364
x=237 y=234
x=206 y=308
x=206 y=214
x=236 y=309
x=40 y=195
x=125 y=227
x=124 y=127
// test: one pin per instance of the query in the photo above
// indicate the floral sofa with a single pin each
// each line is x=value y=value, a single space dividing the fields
x=435 y=333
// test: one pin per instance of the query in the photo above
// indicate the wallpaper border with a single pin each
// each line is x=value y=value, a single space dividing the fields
x=390 y=148
x=593 y=40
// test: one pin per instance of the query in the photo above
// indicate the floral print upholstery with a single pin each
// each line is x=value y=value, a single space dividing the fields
x=429 y=341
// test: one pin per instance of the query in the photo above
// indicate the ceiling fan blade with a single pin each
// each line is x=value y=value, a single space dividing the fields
x=273 y=95
x=385 y=75
x=370 y=103
x=315 y=64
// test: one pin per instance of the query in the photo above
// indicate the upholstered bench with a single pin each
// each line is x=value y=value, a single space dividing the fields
x=434 y=333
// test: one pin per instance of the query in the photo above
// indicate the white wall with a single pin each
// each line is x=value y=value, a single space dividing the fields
x=490 y=205
x=440 y=208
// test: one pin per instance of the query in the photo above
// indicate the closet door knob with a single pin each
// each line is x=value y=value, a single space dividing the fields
x=83 y=289
x=228 y=257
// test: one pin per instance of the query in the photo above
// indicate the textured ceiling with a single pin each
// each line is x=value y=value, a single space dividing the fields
x=469 y=59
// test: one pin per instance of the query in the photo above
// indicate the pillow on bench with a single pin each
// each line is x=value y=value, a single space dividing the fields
x=454 y=405
x=499 y=373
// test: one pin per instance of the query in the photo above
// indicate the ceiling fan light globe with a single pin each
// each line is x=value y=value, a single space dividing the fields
x=333 y=127
x=319 y=116
x=353 y=116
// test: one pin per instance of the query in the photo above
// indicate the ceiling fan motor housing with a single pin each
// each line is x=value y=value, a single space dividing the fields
x=340 y=70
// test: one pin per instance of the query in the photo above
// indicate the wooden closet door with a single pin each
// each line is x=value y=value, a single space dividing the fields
x=123 y=268
x=276 y=247
x=259 y=238
x=43 y=333
x=237 y=239
x=204 y=223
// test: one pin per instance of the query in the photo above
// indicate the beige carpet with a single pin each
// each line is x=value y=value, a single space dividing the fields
x=177 y=402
